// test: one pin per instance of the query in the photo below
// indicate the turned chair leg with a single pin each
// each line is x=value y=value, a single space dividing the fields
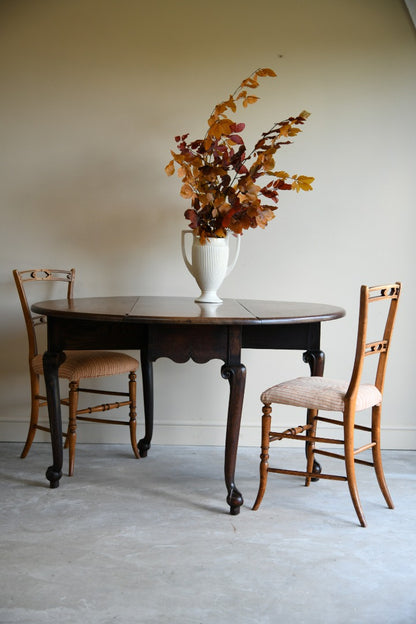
x=132 y=413
x=71 y=438
x=310 y=446
x=34 y=415
x=265 y=445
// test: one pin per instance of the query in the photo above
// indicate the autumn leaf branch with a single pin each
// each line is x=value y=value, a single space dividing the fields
x=219 y=177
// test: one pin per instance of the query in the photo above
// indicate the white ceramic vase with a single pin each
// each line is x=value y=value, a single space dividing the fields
x=210 y=264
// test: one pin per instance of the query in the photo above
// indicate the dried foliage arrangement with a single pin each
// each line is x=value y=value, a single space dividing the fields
x=222 y=179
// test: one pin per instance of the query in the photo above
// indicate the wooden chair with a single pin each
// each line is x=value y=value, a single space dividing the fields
x=347 y=397
x=77 y=365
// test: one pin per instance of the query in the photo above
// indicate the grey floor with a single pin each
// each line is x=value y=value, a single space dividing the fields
x=151 y=541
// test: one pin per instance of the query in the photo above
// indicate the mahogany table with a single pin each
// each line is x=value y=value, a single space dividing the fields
x=179 y=329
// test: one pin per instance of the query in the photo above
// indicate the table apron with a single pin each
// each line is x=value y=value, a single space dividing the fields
x=199 y=343
x=180 y=342
x=77 y=334
x=302 y=336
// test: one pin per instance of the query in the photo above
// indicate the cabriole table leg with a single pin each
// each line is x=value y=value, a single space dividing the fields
x=236 y=375
x=51 y=363
x=147 y=380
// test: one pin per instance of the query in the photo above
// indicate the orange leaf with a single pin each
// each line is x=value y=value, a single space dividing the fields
x=266 y=71
x=264 y=217
x=220 y=127
x=182 y=172
x=186 y=191
x=250 y=99
x=251 y=83
x=207 y=143
x=230 y=104
x=170 y=168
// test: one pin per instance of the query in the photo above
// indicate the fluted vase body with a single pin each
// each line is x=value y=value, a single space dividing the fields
x=209 y=264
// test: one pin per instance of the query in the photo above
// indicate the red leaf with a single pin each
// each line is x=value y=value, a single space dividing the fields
x=283 y=186
x=269 y=193
x=193 y=218
x=227 y=217
x=237 y=127
x=236 y=138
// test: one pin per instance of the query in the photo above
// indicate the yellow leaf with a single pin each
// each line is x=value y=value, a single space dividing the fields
x=284 y=130
x=302 y=183
x=170 y=168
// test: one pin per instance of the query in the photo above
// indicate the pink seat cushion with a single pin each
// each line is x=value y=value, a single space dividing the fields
x=320 y=393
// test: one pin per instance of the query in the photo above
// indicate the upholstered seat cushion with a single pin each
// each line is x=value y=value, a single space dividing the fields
x=320 y=393
x=90 y=364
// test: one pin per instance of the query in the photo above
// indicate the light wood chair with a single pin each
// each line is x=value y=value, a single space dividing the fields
x=77 y=365
x=347 y=397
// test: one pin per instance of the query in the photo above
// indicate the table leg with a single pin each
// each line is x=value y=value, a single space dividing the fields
x=51 y=363
x=316 y=361
x=147 y=380
x=236 y=375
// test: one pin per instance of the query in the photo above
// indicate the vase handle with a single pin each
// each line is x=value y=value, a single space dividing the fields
x=236 y=252
x=185 y=258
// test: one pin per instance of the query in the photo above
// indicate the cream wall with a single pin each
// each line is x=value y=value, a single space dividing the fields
x=92 y=94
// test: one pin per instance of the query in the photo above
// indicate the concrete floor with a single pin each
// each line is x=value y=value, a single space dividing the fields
x=151 y=541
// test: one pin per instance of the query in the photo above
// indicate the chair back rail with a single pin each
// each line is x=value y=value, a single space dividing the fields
x=39 y=275
x=368 y=296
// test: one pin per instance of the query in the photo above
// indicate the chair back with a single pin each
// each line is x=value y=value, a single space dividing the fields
x=22 y=278
x=390 y=294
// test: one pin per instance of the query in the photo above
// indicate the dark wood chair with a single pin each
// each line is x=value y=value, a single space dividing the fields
x=348 y=397
x=78 y=365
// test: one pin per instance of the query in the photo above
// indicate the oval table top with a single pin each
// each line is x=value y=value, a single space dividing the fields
x=164 y=309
